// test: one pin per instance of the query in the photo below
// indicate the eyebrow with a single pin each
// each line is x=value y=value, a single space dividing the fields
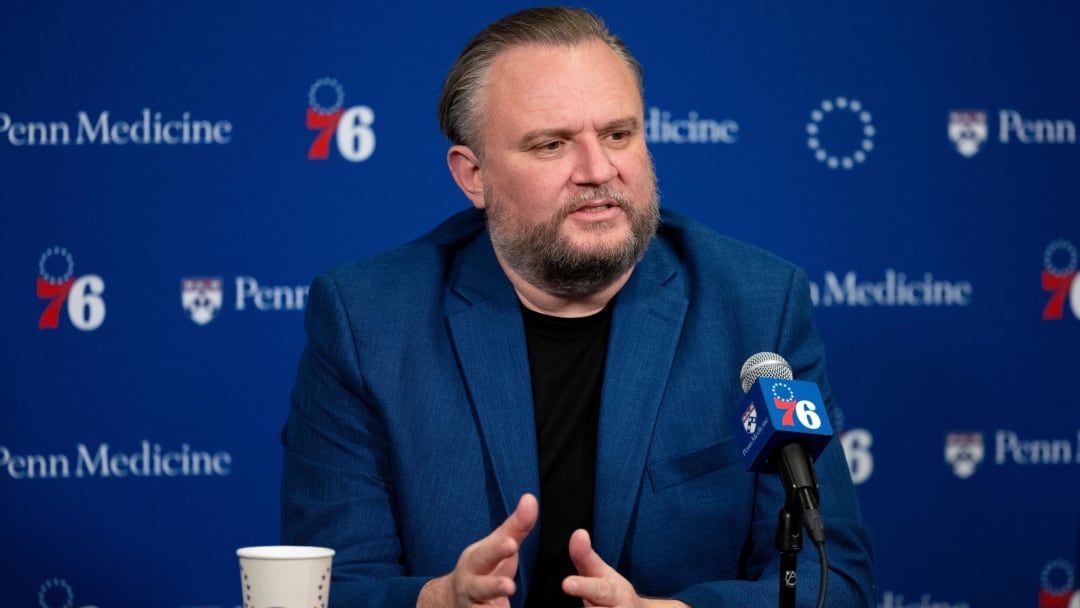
x=629 y=123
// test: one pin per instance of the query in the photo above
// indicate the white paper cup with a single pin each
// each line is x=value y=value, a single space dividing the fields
x=285 y=576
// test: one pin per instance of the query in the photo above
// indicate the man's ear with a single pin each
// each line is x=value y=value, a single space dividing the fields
x=465 y=167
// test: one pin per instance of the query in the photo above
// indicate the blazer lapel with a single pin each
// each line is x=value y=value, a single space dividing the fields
x=491 y=350
x=648 y=318
x=486 y=328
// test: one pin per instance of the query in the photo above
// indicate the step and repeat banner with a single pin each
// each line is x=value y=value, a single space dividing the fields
x=173 y=175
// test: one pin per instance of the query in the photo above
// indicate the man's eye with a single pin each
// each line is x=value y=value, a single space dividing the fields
x=550 y=146
x=619 y=135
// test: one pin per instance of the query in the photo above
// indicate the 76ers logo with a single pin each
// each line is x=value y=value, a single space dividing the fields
x=350 y=127
x=1059 y=278
x=805 y=410
x=1058 y=590
x=57 y=282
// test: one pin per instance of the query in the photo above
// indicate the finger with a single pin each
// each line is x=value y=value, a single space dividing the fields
x=597 y=583
x=487 y=553
x=593 y=591
x=522 y=520
x=480 y=589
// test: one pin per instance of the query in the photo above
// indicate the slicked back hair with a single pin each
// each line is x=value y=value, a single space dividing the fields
x=462 y=94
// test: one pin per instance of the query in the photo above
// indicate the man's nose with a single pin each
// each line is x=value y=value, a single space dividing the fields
x=594 y=166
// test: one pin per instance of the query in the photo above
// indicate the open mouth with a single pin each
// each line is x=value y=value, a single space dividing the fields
x=597 y=206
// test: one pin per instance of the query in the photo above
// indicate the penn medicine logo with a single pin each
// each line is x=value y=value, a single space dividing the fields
x=202 y=298
x=969 y=129
x=662 y=128
x=890 y=289
x=965 y=451
x=350 y=128
x=147 y=128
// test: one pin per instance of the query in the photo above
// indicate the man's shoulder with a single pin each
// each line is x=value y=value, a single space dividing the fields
x=421 y=256
x=409 y=278
x=708 y=252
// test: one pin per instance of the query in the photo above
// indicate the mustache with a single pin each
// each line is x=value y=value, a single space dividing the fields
x=592 y=194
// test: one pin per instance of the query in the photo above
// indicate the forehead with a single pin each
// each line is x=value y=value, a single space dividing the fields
x=540 y=85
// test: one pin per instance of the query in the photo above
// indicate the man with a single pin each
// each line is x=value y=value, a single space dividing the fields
x=551 y=344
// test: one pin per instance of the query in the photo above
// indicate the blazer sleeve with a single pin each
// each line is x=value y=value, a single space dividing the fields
x=336 y=488
x=848 y=543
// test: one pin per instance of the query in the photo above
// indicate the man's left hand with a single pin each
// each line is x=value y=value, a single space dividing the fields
x=598 y=584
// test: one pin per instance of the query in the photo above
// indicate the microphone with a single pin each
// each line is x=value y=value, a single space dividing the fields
x=783 y=427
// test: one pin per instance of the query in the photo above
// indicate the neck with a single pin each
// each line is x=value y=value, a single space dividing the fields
x=542 y=301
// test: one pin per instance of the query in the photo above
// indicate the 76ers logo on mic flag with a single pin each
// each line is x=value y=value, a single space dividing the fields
x=775 y=411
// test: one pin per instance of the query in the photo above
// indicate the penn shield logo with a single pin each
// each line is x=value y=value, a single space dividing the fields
x=970 y=129
x=201 y=298
x=964 y=452
x=967 y=131
x=749 y=420
x=349 y=128
x=79 y=296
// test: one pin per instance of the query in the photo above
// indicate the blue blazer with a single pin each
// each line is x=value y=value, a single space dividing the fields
x=411 y=432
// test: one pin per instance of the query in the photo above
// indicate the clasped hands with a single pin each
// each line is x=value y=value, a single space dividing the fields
x=484 y=574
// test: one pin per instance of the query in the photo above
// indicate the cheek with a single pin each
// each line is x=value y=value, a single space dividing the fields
x=636 y=173
x=534 y=192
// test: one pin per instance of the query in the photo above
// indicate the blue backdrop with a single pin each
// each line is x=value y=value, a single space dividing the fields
x=174 y=174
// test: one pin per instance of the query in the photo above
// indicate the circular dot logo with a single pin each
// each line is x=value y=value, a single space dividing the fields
x=316 y=91
x=826 y=133
x=1060 y=258
x=1057 y=577
x=790 y=396
x=56 y=593
x=56 y=265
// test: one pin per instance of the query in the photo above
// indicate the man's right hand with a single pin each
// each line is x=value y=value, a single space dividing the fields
x=484 y=574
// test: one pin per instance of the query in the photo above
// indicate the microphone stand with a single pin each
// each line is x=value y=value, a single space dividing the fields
x=800 y=508
x=789 y=543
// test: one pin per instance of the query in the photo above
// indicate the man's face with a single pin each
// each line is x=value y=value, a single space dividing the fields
x=568 y=183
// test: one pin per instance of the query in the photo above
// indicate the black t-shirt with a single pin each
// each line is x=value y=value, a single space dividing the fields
x=566 y=360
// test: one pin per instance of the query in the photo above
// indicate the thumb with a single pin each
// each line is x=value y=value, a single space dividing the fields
x=587 y=561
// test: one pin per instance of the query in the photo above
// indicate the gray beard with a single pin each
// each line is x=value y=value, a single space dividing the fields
x=543 y=258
